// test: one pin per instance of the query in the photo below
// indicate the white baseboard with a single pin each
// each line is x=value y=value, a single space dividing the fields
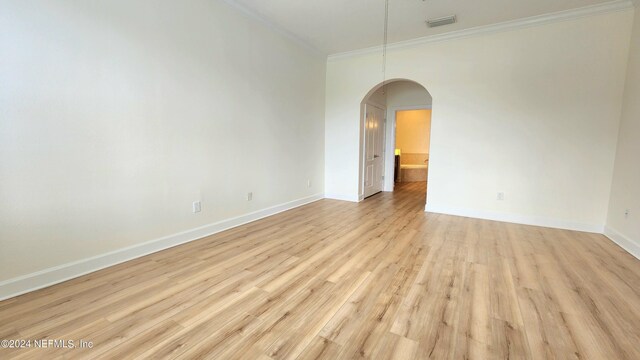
x=517 y=219
x=632 y=247
x=342 y=197
x=57 y=274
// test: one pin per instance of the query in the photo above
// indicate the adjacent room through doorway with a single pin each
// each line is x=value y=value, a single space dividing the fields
x=413 y=131
x=398 y=105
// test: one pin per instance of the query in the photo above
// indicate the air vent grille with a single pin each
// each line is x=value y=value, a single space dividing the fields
x=441 y=21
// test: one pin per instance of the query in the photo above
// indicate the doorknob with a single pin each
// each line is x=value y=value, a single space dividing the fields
x=376 y=156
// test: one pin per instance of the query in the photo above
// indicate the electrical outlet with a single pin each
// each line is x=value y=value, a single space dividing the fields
x=308 y=183
x=249 y=196
x=626 y=213
x=500 y=196
x=197 y=207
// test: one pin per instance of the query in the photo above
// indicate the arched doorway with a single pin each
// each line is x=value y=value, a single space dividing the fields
x=379 y=111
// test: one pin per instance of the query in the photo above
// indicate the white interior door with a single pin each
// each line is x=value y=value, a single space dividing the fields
x=374 y=149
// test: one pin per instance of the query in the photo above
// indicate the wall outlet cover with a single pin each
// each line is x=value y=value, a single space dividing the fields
x=197 y=207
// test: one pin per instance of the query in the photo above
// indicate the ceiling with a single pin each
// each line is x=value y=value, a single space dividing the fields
x=335 y=26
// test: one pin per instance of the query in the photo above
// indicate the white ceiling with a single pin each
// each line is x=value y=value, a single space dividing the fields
x=334 y=26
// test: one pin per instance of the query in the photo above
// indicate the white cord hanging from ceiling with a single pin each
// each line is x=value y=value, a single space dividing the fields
x=384 y=47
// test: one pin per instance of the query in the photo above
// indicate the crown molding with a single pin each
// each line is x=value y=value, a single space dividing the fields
x=275 y=27
x=613 y=6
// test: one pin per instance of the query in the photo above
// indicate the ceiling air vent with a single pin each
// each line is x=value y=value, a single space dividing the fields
x=441 y=21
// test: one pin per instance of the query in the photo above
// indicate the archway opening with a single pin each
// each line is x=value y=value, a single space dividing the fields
x=395 y=132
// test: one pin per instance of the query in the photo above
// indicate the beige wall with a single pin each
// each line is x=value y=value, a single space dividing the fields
x=625 y=189
x=116 y=115
x=531 y=112
x=413 y=129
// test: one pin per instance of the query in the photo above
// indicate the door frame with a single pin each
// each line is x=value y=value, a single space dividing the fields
x=390 y=142
x=363 y=149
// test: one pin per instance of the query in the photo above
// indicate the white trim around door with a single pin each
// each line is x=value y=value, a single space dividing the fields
x=390 y=142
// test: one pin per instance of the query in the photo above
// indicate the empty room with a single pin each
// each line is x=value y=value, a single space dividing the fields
x=377 y=179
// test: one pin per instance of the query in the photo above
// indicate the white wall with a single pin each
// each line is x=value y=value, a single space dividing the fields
x=625 y=189
x=116 y=115
x=532 y=112
x=407 y=94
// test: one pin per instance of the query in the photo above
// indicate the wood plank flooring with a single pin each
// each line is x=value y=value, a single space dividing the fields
x=380 y=279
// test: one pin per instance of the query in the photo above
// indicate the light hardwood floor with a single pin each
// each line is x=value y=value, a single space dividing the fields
x=379 y=279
